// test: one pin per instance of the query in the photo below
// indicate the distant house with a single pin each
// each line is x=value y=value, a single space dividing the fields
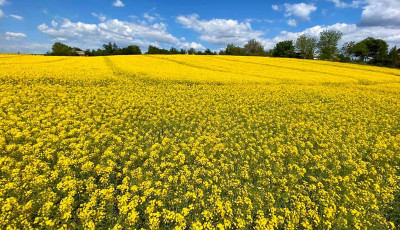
x=316 y=55
x=297 y=54
x=81 y=53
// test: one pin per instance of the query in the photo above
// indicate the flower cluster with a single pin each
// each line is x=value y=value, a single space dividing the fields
x=197 y=142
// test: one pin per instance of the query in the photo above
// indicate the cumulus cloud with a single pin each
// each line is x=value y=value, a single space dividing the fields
x=220 y=31
x=300 y=10
x=118 y=3
x=194 y=45
x=101 y=17
x=114 y=30
x=292 y=22
x=149 y=17
x=54 y=23
x=1 y=13
x=341 y=4
x=14 y=36
x=275 y=7
x=17 y=17
x=381 y=13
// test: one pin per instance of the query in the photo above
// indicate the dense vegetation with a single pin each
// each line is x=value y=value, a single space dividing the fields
x=370 y=50
x=60 y=49
x=192 y=51
x=197 y=142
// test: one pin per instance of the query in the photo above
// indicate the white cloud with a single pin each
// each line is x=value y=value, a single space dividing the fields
x=351 y=32
x=122 y=32
x=149 y=17
x=249 y=20
x=1 y=13
x=341 y=4
x=60 y=39
x=118 y=3
x=17 y=17
x=101 y=17
x=315 y=31
x=54 y=23
x=301 y=10
x=220 y=31
x=194 y=45
x=24 y=47
x=381 y=13
x=157 y=31
x=14 y=36
x=275 y=7
x=2 y=2
x=292 y=22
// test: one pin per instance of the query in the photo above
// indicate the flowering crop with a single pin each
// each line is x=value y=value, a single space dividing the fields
x=197 y=142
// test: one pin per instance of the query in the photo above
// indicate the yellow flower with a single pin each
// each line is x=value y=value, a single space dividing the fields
x=197 y=142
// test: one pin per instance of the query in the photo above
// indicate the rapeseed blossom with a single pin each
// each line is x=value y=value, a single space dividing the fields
x=197 y=142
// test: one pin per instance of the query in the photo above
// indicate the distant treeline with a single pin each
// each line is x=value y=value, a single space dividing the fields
x=60 y=49
x=368 y=51
x=192 y=51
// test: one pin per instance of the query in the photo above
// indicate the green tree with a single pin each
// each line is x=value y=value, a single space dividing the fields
x=131 y=50
x=60 y=49
x=183 y=51
x=328 y=43
x=173 y=50
x=378 y=50
x=208 y=52
x=234 y=50
x=111 y=49
x=359 y=50
x=254 y=48
x=306 y=45
x=191 y=51
x=345 y=50
x=156 y=50
x=393 y=57
x=284 y=49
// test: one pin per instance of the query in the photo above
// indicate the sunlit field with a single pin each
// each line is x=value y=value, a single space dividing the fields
x=197 y=142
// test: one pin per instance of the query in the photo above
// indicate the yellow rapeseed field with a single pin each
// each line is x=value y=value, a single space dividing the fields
x=197 y=142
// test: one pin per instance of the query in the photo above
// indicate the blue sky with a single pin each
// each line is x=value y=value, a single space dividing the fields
x=33 y=26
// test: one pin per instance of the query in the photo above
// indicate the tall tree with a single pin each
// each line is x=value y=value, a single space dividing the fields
x=156 y=50
x=328 y=43
x=183 y=51
x=131 y=50
x=378 y=50
x=307 y=45
x=173 y=50
x=191 y=51
x=393 y=57
x=208 y=52
x=359 y=50
x=234 y=50
x=284 y=49
x=111 y=49
x=60 y=49
x=345 y=50
x=254 y=48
